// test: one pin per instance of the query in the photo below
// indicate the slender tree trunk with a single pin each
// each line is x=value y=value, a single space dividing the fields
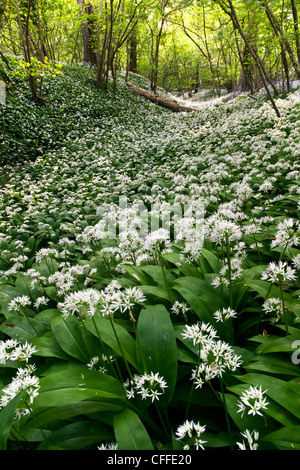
x=154 y=72
x=236 y=23
x=296 y=28
x=88 y=34
x=24 y=36
x=284 y=43
x=132 y=51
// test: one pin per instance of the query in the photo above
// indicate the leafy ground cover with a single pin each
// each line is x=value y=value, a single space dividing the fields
x=185 y=336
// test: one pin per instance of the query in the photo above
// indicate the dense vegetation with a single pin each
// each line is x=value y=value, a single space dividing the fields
x=102 y=333
x=149 y=260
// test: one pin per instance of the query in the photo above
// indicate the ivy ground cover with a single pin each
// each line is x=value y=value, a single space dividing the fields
x=149 y=272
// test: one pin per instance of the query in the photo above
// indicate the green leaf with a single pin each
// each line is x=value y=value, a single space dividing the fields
x=105 y=329
x=157 y=349
x=287 y=394
x=286 y=438
x=130 y=432
x=273 y=365
x=7 y=416
x=79 y=435
x=275 y=343
x=67 y=332
x=71 y=386
x=201 y=297
x=161 y=276
x=47 y=346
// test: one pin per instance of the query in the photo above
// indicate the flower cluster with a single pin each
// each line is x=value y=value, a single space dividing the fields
x=190 y=434
x=253 y=401
x=215 y=356
x=251 y=440
x=150 y=385
x=12 y=350
x=87 y=302
x=23 y=380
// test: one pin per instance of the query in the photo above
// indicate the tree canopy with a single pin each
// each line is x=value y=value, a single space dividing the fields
x=177 y=44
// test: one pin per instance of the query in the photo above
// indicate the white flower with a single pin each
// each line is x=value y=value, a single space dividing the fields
x=19 y=302
x=225 y=314
x=296 y=261
x=150 y=385
x=24 y=380
x=279 y=272
x=82 y=302
x=45 y=253
x=179 y=308
x=286 y=236
x=250 y=437
x=109 y=446
x=190 y=433
x=253 y=400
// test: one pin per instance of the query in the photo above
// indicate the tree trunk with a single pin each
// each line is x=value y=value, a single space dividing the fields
x=296 y=28
x=169 y=104
x=132 y=51
x=284 y=44
x=88 y=35
x=236 y=23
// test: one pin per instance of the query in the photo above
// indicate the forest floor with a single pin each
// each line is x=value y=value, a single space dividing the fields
x=137 y=241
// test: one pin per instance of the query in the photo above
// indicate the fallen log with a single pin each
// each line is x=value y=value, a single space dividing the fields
x=166 y=103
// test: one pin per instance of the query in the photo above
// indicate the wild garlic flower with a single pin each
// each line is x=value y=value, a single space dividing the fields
x=42 y=300
x=158 y=241
x=216 y=358
x=252 y=400
x=279 y=272
x=46 y=253
x=200 y=332
x=190 y=434
x=273 y=305
x=19 y=302
x=97 y=363
x=223 y=231
x=24 y=380
x=12 y=350
x=296 y=261
x=109 y=446
x=150 y=385
x=286 y=235
x=84 y=302
x=179 y=308
x=250 y=437
x=225 y=314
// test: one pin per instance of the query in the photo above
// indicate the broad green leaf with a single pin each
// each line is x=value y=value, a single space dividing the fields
x=47 y=346
x=161 y=276
x=7 y=417
x=201 y=297
x=287 y=394
x=102 y=326
x=157 y=291
x=77 y=384
x=286 y=438
x=130 y=432
x=156 y=345
x=137 y=273
x=275 y=343
x=273 y=365
x=67 y=332
x=44 y=416
x=22 y=328
x=79 y=435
